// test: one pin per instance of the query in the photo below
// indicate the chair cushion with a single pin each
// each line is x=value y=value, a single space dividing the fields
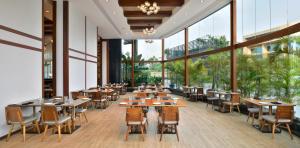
x=80 y=110
x=137 y=122
x=62 y=119
x=166 y=122
x=272 y=119
x=229 y=103
x=212 y=98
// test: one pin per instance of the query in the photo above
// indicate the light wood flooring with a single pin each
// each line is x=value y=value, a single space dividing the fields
x=198 y=127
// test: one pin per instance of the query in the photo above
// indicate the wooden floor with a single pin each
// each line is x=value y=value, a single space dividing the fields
x=198 y=127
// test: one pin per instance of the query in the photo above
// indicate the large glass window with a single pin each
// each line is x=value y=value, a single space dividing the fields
x=210 y=72
x=174 y=74
x=150 y=50
x=272 y=71
x=174 y=46
x=258 y=17
x=210 y=33
x=126 y=61
x=148 y=73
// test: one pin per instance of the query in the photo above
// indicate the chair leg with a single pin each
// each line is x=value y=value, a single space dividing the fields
x=24 y=132
x=162 y=131
x=59 y=133
x=273 y=130
x=230 y=108
x=85 y=117
x=248 y=117
x=238 y=109
x=288 y=127
x=37 y=126
x=10 y=131
x=176 y=132
x=126 y=135
x=69 y=126
x=142 y=130
x=252 y=118
x=45 y=132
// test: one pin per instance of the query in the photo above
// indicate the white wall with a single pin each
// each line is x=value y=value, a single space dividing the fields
x=82 y=38
x=59 y=48
x=91 y=49
x=21 y=69
x=104 y=62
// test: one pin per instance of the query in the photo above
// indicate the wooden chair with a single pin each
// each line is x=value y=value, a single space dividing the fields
x=81 y=110
x=98 y=98
x=162 y=94
x=211 y=98
x=14 y=116
x=197 y=94
x=141 y=95
x=234 y=101
x=254 y=111
x=284 y=115
x=169 y=118
x=186 y=91
x=135 y=117
x=75 y=94
x=50 y=117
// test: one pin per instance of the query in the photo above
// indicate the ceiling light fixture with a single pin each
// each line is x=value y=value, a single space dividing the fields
x=148 y=31
x=148 y=8
x=149 y=41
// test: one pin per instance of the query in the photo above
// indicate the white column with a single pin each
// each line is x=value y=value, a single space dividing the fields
x=59 y=48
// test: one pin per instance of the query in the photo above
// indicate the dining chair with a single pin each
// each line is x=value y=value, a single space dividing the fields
x=186 y=91
x=284 y=115
x=254 y=111
x=81 y=110
x=234 y=102
x=50 y=117
x=211 y=97
x=162 y=94
x=198 y=93
x=98 y=98
x=141 y=95
x=135 y=117
x=75 y=94
x=169 y=119
x=14 y=116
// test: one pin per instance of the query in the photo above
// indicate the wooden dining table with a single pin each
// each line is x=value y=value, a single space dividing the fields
x=265 y=103
x=68 y=103
x=148 y=102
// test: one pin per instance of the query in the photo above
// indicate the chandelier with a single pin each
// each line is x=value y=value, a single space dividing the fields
x=149 y=41
x=148 y=31
x=148 y=8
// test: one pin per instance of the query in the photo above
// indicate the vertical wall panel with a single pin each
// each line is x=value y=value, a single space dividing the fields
x=21 y=68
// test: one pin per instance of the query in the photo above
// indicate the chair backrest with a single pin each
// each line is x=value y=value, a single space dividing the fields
x=170 y=113
x=285 y=112
x=13 y=113
x=134 y=114
x=94 y=95
x=49 y=113
x=141 y=95
x=75 y=94
x=199 y=90
x=162 y=94
x=235 y=98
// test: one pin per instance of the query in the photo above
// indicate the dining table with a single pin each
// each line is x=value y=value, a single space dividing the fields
x=221 y=96
x=63 y=103
x=154 y=102
x=261 y=104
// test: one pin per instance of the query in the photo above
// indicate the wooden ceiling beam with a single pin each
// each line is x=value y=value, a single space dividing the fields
x=174 y=3
x=144 y=22
x=141 y=14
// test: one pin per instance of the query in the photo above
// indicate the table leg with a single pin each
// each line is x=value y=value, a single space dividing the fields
x=270 y=110
x=73 y=117
x=260 y=115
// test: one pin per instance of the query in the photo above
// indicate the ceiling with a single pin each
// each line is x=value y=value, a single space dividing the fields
x=109 y=16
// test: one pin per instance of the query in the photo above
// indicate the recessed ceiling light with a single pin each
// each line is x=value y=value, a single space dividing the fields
x=202 y=1
x=107 y=1
x=47 y=11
